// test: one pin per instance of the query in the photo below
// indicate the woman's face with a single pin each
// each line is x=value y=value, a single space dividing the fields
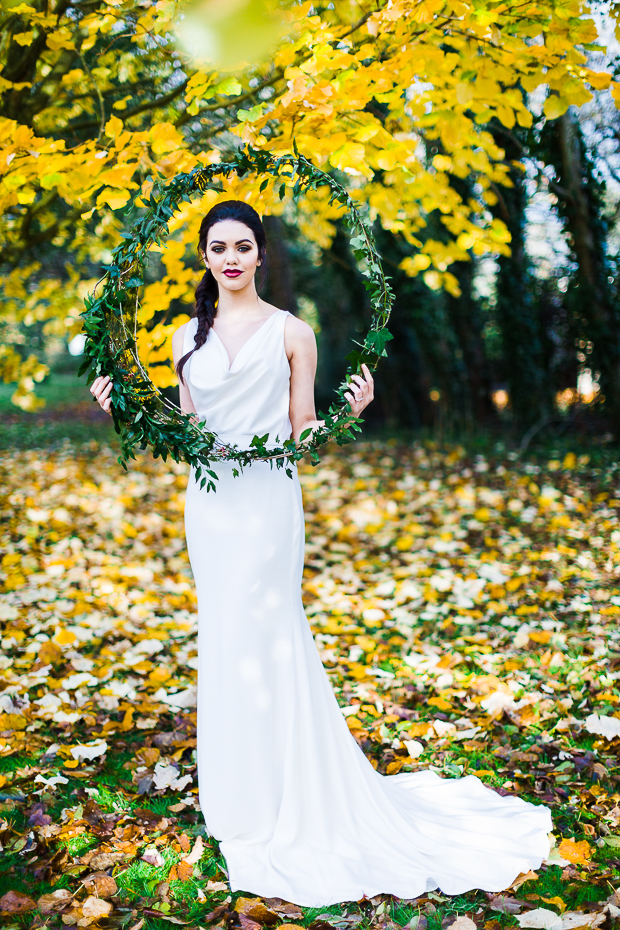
x=232 y=254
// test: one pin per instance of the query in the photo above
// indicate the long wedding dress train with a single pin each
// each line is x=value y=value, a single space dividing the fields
x=299 y=811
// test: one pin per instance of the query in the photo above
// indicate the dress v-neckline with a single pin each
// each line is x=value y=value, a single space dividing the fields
x=248 y=340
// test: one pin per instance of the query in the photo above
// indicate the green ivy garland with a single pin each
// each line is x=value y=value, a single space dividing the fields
x=142 y=415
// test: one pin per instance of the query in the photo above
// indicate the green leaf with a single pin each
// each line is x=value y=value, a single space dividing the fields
x=377 y=340
x=250 y=116
x=228 y=87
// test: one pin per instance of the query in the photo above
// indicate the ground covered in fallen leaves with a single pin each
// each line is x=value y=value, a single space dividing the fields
x=466 y=611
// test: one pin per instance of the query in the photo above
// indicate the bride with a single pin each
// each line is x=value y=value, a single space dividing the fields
x=299 y=811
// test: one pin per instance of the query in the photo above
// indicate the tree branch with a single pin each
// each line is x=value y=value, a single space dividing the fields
x=150 y=105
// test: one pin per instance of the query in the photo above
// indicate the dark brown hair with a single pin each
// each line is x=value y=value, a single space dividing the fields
x=207 y=291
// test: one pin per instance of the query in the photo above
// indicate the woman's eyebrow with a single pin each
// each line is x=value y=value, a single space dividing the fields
x=219 y=242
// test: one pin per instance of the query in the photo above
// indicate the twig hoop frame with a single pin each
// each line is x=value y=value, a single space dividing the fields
x=143 y=417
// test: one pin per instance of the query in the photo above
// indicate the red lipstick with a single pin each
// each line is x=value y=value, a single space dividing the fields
x=232 y=274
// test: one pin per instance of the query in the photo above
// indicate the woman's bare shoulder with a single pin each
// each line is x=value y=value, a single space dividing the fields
x=179 y=334
x=299 y=329
x=299 y=339
x=178 y=340
x=180 y=331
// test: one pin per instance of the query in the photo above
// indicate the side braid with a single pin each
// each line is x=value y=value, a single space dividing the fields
x=206 y=299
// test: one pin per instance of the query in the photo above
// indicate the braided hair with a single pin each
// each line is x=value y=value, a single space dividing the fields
x=207 y=292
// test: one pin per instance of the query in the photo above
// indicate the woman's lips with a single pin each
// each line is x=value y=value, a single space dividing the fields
x=233 y=274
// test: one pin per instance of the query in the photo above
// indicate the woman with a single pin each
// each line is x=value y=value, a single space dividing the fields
x=299 y=811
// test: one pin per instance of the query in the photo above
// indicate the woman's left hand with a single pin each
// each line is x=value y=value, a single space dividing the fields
x=361 y=391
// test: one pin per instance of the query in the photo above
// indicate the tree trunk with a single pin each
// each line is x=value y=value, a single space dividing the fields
x=595 y=314
x=524 y=364
x=279 y=289
x=466 y=318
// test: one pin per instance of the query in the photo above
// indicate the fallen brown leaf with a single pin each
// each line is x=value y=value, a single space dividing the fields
x=100 y=884
x=385 y=922
x=522 y=878
x=196 y=854
x=101 y=861
x=505 y=904
x=151 y=912
x=148 y=755
x=213 y=886
x=246 y=923
x=49 y=653
x=15 y=902
x=256 y=910
x=93 y=908
x=152 y=856
x=462 y=923
x=185 y=870
x=54 y=902
x=162 y=891
x=216 y=914
x=284 y=909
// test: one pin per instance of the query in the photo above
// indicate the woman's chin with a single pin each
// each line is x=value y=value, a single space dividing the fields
x=234 y=284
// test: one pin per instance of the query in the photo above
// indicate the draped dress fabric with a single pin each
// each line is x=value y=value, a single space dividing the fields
x=299 y=811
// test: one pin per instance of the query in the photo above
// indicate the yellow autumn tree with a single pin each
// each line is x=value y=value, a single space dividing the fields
x=99 y=97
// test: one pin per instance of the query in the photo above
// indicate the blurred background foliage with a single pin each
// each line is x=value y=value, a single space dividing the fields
x=96 y=98
x=532 y=340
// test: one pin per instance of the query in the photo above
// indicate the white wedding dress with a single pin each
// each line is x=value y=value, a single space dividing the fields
x=299 y=811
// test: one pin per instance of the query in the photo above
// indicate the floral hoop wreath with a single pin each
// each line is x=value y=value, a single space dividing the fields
x=142 y=415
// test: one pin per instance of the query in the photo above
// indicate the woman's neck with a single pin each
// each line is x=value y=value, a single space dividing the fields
x=237 y=304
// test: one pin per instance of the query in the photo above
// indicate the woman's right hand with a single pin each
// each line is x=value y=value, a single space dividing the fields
x=101 y=389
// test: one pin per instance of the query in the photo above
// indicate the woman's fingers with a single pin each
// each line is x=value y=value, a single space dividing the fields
x=101 y=388
x=368 y=377
x=359 y=385
x=361 y=390
x=364 y=384
x=98 y=384
x=104 y=398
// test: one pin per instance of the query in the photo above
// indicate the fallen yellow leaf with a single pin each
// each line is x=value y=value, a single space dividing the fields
x=522 y=878
x=575 y=852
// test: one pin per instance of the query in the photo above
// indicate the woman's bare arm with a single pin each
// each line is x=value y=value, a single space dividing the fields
x=300 y=344
x=185 y=400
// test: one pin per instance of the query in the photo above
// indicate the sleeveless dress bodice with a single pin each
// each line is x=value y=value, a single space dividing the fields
x=249 y=397
x=298 y=809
